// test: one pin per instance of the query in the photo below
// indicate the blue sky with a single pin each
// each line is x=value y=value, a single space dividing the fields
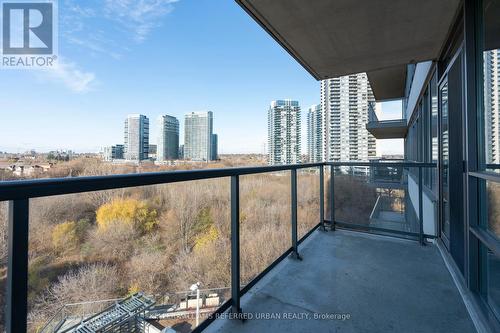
x=151 y=57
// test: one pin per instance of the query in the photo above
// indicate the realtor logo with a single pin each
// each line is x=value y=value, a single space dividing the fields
x=28 y=34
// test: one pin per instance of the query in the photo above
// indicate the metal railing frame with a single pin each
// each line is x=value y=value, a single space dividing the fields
x=19 y=193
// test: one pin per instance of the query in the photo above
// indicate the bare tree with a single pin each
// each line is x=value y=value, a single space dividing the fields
x=88 y=283
x=115 y=244
x=147 y=272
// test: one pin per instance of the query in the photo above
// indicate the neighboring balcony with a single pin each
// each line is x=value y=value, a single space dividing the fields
x=385 y=129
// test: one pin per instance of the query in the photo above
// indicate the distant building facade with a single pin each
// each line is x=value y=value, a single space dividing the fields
x=284 y=132
x=111 y=153
x=136 y=137
x=214 y=149
x=168 y=138
x=315 y=134
x=344 y=106
x=181 y=152
x=198 y=130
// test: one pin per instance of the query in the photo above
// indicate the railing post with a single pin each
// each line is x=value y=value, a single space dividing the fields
x=235 y=244
x=322 y=197
x=294 y=213
x=17 y=272
x=332 y=196
x=420 y=206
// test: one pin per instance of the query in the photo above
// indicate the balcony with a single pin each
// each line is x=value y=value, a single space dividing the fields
x=375 y=268
x=355 y=282
x=385 y=129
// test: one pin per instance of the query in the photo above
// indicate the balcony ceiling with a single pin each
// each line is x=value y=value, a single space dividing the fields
x=333 y=38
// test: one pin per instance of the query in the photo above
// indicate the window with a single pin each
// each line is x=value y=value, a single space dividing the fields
x=434 y=130
x=488 y=141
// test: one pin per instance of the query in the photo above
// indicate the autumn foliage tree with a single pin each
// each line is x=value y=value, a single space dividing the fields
x=68 y=235
x=132 y=212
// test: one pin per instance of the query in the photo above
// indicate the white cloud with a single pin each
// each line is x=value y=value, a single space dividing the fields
x=74 y=78
x=138 y=16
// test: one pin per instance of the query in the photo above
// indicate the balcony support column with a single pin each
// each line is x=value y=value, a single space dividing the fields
x=294 y=213
x=17 y=272
x=322 y=197
x=332 y=197
x=235 y=244
x=420 y=207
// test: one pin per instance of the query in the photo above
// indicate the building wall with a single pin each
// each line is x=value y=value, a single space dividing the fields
x=344 y=106
x=136 y=137
x=198 y=136
x=111 y=153
x=215 y=149
x=168 y=138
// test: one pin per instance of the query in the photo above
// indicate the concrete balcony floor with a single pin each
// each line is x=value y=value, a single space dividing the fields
x=385 y=285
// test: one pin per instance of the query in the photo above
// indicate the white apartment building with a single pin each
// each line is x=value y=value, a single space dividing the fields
x=284 y=132
x=198 y=138
x=344 y=106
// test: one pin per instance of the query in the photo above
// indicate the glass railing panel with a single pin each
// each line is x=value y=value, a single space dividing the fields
x=493 y=207
x=265 y=221
x=308 y=200
x=383 y=198
x=157 y=245
x=490 y=283
x=353 y=195
x=328 y=210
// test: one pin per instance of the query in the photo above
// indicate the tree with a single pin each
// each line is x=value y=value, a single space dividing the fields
x=68 y=235
x=88 y=283
x=64 y=236
x=147 y=272
x=127 y=211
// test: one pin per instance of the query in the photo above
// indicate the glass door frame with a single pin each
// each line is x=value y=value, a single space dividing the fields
x=444 y=237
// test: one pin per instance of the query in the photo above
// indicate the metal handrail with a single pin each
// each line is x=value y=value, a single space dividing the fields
x=20 y=192
x=384 y=164
x=18 y=189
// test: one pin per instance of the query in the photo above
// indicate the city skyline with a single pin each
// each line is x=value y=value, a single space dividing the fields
x=168 y=68
x=138 y=145
x=60 y=109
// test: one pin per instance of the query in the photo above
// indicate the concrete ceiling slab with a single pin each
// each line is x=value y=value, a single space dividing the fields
x=388 y=83
x=331 y=38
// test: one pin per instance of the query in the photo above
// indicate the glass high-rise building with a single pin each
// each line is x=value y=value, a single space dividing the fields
x=284 y=132
x=315 y=133
x=215 y=143
x=136 y=137
x=344 y=103
x=198 y=136
x=168 y=138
